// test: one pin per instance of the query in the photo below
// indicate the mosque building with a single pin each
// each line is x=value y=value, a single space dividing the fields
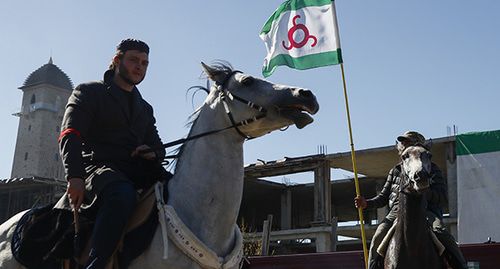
x=37 y=176
x=45 y=93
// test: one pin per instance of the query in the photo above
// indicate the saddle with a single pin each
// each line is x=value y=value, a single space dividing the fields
x=45 y=237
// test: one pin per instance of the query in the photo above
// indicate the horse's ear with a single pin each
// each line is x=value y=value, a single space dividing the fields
x=428 y=144
x=219 y=76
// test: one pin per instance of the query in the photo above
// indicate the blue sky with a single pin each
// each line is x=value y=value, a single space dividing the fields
x=421 y=65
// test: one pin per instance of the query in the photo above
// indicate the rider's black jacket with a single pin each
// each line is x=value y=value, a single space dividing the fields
x=103 y=124
x=436 y=195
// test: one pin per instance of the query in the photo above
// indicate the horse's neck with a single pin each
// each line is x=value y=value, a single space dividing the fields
x=207 y=187
x=412 y=223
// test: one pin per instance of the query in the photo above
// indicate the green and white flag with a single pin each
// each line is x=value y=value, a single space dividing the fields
x=301 y=34
x=478 y=186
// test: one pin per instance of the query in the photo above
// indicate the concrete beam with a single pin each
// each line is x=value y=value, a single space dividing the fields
x=313 y=232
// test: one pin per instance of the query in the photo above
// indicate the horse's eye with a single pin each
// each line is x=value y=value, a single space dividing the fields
x=405 y=156
x=247 y=81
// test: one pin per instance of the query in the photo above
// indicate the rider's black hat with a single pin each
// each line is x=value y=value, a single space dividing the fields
x=413 y=137
x=132 y=44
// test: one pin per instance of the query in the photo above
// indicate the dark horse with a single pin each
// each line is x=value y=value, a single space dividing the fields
x=412 y=245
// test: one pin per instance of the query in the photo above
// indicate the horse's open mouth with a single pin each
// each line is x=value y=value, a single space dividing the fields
x=299 y=114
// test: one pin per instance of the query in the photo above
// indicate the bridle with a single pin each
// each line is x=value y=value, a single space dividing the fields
x=224 y=95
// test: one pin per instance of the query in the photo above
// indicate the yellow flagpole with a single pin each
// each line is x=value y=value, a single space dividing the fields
x=354 y=167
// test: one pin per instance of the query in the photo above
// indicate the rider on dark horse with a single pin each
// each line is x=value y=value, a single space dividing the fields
x=435 y=196
x=106 y=128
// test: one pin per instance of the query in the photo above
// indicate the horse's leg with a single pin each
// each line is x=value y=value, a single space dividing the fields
x=7 y=261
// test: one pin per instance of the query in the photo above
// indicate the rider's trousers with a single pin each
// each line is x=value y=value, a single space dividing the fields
x=116 y=203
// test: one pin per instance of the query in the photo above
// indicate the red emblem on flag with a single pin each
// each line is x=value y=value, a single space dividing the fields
x=307 y=36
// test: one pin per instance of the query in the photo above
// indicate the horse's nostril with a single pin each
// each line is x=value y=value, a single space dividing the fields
x=305 y=93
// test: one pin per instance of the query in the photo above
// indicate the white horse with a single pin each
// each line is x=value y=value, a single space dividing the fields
x=207 y=187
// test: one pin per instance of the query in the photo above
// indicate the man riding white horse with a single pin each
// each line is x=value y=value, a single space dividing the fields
x=435 y=196
x=206 y=191
x=110 y=122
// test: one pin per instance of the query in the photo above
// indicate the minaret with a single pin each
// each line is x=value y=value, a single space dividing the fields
x=45 y=94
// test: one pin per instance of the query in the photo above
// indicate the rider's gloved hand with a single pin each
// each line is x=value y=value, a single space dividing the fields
x=142 y=151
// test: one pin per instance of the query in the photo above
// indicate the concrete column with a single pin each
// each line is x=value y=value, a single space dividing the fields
x=451 y=176
x=286 y=209
x=324 y=242
x=334 y=237
x=322 y=194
